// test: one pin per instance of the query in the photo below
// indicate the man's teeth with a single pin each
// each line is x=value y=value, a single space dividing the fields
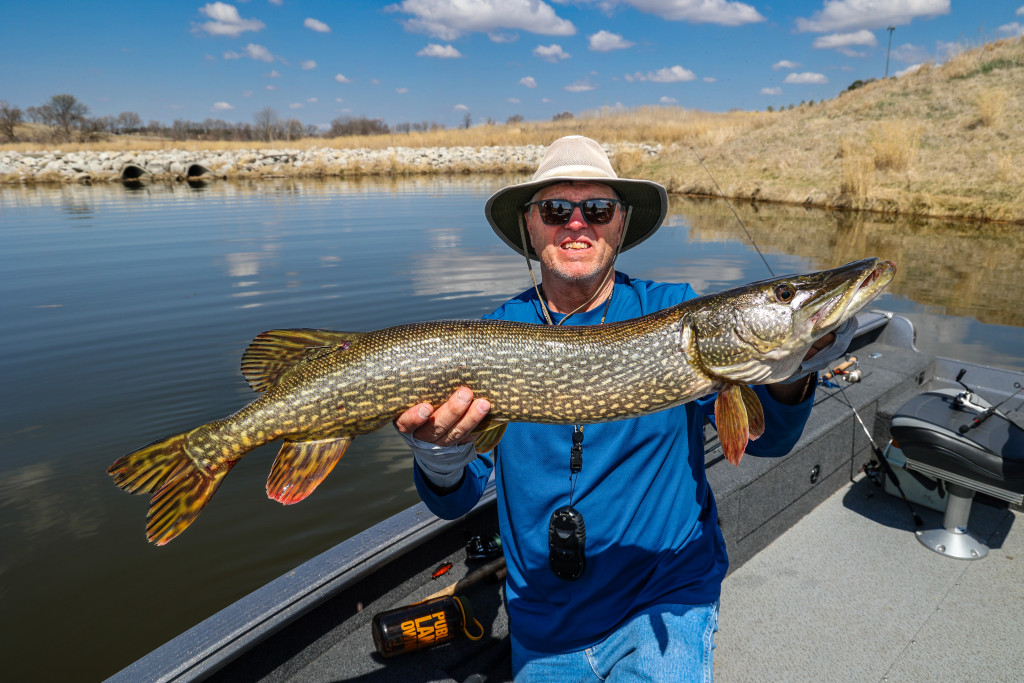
x=575 y=245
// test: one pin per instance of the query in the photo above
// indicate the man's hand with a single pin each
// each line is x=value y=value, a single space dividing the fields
x=449 y=424
x=442 y=440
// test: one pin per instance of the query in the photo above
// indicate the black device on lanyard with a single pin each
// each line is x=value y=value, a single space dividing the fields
x=567 y=533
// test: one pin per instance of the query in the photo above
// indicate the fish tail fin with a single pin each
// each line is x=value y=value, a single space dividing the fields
x=179 y=486
x=300 y=466
x=143 y=471
x=180 y=499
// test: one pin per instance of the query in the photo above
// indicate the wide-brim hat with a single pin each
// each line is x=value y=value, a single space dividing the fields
x=576 y=158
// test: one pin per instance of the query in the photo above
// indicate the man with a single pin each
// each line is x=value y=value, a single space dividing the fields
x=641 y=598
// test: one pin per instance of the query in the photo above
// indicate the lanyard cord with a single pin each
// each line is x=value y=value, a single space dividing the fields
x=576 y=452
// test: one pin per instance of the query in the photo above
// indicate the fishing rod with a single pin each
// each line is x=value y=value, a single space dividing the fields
x=988 y=412
x=729 y=204
x=883 y=462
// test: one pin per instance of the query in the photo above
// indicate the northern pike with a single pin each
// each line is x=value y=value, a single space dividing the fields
x=321 y=389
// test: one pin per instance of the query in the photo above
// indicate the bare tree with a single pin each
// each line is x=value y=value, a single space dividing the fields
x=467 y=120
x=128 y=122
x=64 y=114
x=268 y=125
x=10 y=117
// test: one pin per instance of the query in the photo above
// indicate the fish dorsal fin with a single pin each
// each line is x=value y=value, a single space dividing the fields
x=274 y=352
x=738 y=418
x=490 y=437
x=301 y=466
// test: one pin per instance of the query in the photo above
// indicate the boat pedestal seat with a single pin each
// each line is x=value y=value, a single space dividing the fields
x=987 y=458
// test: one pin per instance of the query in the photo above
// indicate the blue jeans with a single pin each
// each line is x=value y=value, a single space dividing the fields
x=663 y=643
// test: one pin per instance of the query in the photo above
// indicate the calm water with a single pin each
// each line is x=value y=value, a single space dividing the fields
x=125 y=313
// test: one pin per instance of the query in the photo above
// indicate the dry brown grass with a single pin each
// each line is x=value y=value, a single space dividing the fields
x=946 y=140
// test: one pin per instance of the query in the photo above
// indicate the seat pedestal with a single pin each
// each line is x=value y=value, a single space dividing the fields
x=953 y=539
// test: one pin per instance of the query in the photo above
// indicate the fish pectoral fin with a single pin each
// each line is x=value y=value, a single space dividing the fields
x=301 y=466
x=489 y=438
x=732 y=422
x=755 y=413
x=274 y=352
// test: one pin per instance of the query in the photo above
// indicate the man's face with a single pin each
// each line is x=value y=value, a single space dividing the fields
x=578 y=250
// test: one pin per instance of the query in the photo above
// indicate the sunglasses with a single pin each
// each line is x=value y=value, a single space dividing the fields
x=559 y=211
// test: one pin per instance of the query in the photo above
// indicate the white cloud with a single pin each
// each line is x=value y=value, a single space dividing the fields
x=843 y=15
x=271 y=87
x=338 y=100
x=552 y=52
x=503 y=37
x=806 y=78
x=909 y=70
x=841 y=40
x=308 y=64
x=771 y=91
x=528 y=81
x=513 y=100
x=460 y=107
x=226 y=21
x=605 y=41
x=1014 y=28
x=580 y=86
x=673 y=74
x=316 y=25
x=449 y=19
x=721 y=12
x=439 y=51
x=253 y=51
x=667 y=100
x=247 y=93
x=910 y=54
x=342 y=79
x=312 y=100
x=785 y=64
x=273 y=74
x=295 y=105
x=401 y=91
x=1020 y=11
x=709 y=79
x=221 y=106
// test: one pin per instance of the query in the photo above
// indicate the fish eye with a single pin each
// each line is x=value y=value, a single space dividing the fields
x=784 y=293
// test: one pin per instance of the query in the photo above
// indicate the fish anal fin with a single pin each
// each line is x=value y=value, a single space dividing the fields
x=731 y=422
x=489 y=438
x=274 y=352
x=755 y=413
x=301 y=466
x=180 y=499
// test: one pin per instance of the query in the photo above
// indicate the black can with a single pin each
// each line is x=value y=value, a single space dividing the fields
x=419 y=626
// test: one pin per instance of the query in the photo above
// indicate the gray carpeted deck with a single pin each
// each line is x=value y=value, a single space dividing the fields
x=848 y=594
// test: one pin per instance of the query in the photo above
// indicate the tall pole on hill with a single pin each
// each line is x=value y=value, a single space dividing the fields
x=890 y=29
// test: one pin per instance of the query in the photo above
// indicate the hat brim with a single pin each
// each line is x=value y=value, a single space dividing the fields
x=649 y=201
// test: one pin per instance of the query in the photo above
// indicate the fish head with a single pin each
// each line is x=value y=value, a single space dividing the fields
x=759 y=333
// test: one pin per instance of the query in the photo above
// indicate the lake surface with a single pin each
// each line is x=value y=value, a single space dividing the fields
x=125 y=313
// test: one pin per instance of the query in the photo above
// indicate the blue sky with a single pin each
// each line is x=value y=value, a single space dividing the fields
x=436 y=60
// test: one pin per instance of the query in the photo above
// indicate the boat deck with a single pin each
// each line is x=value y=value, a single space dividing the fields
x=848 y=594
x=829 y=581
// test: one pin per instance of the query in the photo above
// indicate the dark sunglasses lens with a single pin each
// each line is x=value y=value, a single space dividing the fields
x=598 y=211
x=555 y=211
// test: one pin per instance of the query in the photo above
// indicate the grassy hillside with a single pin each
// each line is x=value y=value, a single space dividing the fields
x=944 y=141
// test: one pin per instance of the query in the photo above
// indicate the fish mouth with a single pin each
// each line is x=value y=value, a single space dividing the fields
x=844 y=291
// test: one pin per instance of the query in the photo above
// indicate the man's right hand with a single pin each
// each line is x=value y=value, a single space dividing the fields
x=452 y=423
x=441 y=439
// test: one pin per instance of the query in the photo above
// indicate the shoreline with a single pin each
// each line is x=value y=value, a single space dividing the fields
x=85 y=167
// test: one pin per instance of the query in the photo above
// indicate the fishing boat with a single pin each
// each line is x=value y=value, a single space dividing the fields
x=798 y=530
